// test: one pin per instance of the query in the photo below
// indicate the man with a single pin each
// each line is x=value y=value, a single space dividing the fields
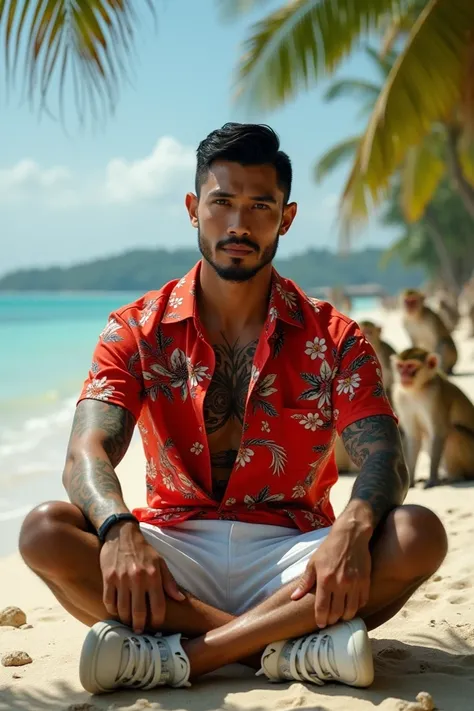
x=238 y=383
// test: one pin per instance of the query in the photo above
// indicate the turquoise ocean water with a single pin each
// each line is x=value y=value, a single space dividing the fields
x=46 y=344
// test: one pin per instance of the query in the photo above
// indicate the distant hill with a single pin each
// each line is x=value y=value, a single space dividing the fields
x=145 y=269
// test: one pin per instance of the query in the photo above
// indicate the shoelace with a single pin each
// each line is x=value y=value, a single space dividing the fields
x=320 y=662
x=142 y=670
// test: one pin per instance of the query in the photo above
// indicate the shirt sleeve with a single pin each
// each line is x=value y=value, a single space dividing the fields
x=115 y=374
x=358 y=391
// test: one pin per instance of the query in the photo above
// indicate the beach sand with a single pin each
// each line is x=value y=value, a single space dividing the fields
x=427 y=647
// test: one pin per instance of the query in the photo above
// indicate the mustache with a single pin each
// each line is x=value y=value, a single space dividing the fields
x=243 y=241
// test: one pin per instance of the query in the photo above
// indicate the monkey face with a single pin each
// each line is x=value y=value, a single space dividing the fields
x=414 y=372
x=412 y=302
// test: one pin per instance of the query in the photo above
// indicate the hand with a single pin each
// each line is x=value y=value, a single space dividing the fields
x=340 y=570
x=133 y=573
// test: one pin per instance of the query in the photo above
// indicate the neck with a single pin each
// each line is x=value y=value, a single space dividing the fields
x=233 y=306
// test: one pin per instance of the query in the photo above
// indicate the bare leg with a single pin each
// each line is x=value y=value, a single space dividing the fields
x=56 y=544
x=408 y=548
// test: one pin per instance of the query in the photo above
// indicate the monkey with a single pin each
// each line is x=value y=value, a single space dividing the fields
x=427 y=330
x=430 y=407
x=448 y=313
x=383 y=351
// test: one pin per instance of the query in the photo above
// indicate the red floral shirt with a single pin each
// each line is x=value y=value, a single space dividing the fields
x=314 y=374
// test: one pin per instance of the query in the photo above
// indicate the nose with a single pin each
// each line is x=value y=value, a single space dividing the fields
x=238 y=226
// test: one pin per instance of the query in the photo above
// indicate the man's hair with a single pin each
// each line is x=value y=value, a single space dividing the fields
x=247 y=144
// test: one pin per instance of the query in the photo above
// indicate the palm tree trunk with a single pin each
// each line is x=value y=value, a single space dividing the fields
x=446 y=265
x=458 y=179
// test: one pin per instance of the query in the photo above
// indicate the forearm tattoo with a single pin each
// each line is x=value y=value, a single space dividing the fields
x=374 y=445
x=90 y=480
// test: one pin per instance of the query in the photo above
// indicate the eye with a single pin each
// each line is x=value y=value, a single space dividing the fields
x=221 y=201
x=261 y=206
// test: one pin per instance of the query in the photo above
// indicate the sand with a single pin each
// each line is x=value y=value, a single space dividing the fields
x=427 y=647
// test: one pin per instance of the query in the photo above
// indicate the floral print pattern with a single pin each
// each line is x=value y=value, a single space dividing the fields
x=313 y=376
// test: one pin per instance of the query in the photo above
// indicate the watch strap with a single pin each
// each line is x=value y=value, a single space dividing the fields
x=110 y=521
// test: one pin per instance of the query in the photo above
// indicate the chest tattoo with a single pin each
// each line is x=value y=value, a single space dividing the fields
x=227 y=393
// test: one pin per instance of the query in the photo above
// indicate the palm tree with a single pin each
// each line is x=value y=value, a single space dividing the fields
x=431 y=81
x=415 y=244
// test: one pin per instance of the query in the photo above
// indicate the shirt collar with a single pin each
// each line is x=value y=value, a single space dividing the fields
x=284 y=304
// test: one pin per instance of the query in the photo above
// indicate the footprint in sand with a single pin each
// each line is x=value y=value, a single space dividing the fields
x=436 y=578
x=457 y=600
x=460 y=585
x=468 y=514
x=431 y=596
x=393 y=653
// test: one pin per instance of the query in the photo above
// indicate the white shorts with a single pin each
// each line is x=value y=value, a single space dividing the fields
x=233 y=565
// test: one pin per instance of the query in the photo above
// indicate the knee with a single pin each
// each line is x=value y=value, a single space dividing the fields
x=42 y=528
x=422 y=540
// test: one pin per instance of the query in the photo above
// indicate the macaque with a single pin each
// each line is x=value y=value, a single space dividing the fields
x=427 y=330
x=448 y=313
x=383 y=351
x=431 y=408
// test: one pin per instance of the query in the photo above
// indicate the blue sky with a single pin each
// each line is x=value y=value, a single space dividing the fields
x=69 y=198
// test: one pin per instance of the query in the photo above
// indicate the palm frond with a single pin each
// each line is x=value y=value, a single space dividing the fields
x=294 y=45
x=335 y=156
x=349 y=87
x=421 y=175
x=90 y=40
x=424 y=86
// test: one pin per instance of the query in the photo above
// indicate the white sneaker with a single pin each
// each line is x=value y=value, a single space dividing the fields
x=114 y=657
x=340 y=653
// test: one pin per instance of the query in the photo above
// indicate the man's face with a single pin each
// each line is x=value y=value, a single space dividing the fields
x=240 y=216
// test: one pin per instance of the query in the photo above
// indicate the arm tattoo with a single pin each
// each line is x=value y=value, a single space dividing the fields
x=89 y=478
x=112 y=424
x=374 y=445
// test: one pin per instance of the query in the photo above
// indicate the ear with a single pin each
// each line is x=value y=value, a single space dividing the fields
x=289 y=214
x=191 y=201
x=432 y=361
x=378 y=331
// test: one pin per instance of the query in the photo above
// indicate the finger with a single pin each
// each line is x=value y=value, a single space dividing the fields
x=352 y=604
x=123 y=604
x=138 y=606
x=322 y=604
x=305 y=584
x=338 y=604
x=157 y=602
x=170 y=585
x=109 y=599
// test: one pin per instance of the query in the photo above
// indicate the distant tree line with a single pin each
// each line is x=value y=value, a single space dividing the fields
x=145 y=269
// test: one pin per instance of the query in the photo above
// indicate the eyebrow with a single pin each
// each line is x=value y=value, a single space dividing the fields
x=256 y=198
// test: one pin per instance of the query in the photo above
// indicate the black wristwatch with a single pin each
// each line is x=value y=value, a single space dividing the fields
x=110 y=521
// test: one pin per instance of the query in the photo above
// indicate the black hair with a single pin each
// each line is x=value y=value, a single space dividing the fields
x=247 y=144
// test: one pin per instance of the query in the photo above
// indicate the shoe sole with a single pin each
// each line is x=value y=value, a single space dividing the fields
x=361 y=650
x=89 y=653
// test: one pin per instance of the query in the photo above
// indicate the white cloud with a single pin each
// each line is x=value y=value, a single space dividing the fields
x=166 y=171
x=27 y=179
x=156 y=175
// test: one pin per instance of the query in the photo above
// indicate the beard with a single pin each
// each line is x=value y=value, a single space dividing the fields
x=236 y=271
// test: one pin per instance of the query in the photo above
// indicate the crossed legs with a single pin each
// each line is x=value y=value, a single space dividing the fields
x=55 y=543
